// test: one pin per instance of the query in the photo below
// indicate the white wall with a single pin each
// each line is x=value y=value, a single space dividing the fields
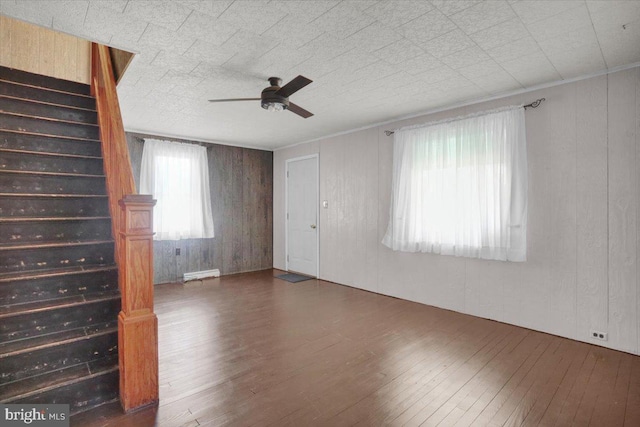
x=583 y=257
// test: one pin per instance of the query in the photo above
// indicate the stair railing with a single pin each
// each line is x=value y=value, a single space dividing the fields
x=132 y=225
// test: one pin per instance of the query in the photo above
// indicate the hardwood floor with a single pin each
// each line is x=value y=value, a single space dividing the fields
x=252 y=349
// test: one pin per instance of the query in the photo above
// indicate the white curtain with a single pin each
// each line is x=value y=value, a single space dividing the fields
x=177 y=176
x=460 y=187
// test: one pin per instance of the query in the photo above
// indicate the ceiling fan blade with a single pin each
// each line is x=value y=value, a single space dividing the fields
x=234 y=99
x=293 y=86
x=299 y=110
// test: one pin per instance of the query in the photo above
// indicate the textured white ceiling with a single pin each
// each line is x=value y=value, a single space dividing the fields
x=371 y=61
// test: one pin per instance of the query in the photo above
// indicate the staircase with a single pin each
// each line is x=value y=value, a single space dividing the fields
x=59 y=297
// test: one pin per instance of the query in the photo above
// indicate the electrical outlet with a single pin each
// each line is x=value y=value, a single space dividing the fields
x=602 y=336
x=177 y=251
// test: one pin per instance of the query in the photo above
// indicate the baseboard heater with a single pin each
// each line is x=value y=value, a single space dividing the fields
x=199 y=275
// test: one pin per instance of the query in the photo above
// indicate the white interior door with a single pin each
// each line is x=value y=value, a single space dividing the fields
x=302 y=215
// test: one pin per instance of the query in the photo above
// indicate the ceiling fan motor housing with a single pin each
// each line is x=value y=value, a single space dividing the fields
x=269 y=96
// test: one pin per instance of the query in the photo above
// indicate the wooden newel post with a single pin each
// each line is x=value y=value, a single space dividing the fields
x=137 y=323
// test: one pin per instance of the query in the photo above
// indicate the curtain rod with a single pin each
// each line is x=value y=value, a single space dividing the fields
x=180 y=141
x=534 y=104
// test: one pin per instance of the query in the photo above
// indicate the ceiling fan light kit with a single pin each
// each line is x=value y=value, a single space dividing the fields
x=276 y=98
x=273 y=106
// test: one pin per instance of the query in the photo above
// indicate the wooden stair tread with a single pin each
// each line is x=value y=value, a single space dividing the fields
x=48 y=154
x=53 y=195
x=48 y=119
x=61 y=174
x=48 y=126
x=39 y=80
x=27 y=204
x=53 y=304
x=39 y=274
x=23 y=389
x=53 y=218
x=40 y=342
x=46 y=109
x=41 y=245
x=36 y=101
x=44 y=88
x=48 y=89
x=27 y=386
x=43 y=94
x=47 y=135
x=41 y=144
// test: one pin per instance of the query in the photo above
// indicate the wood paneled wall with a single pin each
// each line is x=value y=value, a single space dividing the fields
x=582 y=270
x=40 y=50
x=120 y=60
x=241 y=183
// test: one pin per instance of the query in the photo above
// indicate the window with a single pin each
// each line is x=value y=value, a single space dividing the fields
x=178 y=178
x=460 y=187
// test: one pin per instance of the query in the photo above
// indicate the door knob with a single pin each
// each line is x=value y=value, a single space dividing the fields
x=313 y=226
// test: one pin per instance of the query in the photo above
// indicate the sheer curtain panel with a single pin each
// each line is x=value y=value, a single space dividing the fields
x=177 y=176
x=460 y=187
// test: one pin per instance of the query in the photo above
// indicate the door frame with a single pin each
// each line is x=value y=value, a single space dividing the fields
x=315 y=156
